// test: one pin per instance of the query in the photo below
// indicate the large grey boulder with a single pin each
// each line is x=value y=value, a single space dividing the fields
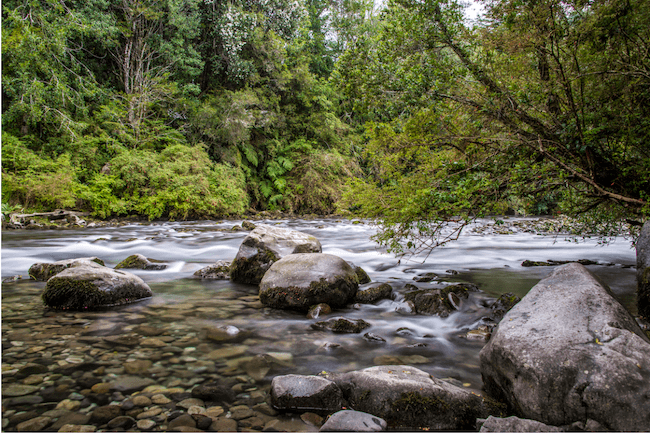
x=305 y=393
x=569 y=352
x=91 y=286
x=353 y=421
x=299 y=281
x=45 y=271
x=410 y=398
x=643 y=271
x=264 y=246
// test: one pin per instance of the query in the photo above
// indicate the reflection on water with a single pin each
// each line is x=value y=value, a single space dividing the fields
x=192 y=306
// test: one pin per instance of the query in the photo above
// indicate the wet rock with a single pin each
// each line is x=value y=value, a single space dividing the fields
x=90 y=287
x=643 y=271
x=78 y=428
x=224 y=334
x=185 y=420
x=121 y=422
x=223 y=424
x=213 y=393
x=248 y=226
x=139 y=261
x=45 y=271
x=483 y=333
x=218 y=270
x=305 y=393
x=72 y=418
x=264 y=246
x=373 y=338
x=427 y=277
x=130 y=384
x=316 y=311
x=407 y=397
x=568 y=352
x=373 y=294
x=241 y=412
x=34 y=425
x=299 y=281
x=342 y=325
x=136 y=367
x=353 y=421
x=529 y=263
x=502 y=305
x=104 y=414
x=15 y=390
x=362 y=276
x=141 y=401
x=146 y=424
x=440 y=302
x=515 y=424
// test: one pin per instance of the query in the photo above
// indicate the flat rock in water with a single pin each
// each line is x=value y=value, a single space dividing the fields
x=353 y=421
x=410 y=398
x=342 y=325
x=373 y=294
x=91 y=286
x=570 y=352
x=264 y=246
x=299 y=281
x=130 y=384
x=45 y=271
x=305 y=393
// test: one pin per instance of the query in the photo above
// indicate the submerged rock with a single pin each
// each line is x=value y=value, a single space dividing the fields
x=643 y=271
x=570 y=352
x=373 y=294
x=45 y=271
x=88 y=287
x=218 y=270
x=305 y=393
x=299 y=281
x=264 y=246
x=139 y=261
x=407 y=397
x=316 y=311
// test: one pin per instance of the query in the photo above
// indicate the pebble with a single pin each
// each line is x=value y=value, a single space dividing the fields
x=141 y=401
x=79 y=428
x=160 y=399
x=70 y=405
x=188 y=403
x=34 y=425
x=149 y=413
x=146 y=424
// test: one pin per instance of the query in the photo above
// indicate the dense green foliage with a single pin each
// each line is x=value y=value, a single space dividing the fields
x=196 y=108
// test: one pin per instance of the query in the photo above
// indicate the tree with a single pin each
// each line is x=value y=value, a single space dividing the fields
x=536 y=105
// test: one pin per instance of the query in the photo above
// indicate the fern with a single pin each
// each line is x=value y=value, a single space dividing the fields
x=250 y=154
x=266 y=188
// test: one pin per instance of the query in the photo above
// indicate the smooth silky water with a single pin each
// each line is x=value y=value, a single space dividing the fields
x=188 y=305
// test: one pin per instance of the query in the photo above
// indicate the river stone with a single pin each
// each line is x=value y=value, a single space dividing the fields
x=643 y=271
x=342 y=325
x=373 y=294
x=299 y=281
x=407 y=397
x=353 y=421
x=570 y=352
x=264 y=246
x=16 y=390
x=130 y=384
x=515 y=424
x=218 y=270
x=34 y=425
x=440 y=302
x=45 y=271
x=295 y=393
x=139 y=261
x=89 y=287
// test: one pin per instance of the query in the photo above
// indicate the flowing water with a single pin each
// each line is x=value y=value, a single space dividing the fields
x=188 y=305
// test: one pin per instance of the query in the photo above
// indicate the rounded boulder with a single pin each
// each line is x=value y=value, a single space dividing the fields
x=88 y=287
x=299 y=281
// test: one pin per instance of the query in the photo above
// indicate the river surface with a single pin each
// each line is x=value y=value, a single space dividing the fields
x=188 y=304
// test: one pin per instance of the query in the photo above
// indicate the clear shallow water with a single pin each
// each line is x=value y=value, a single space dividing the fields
x=190 y=305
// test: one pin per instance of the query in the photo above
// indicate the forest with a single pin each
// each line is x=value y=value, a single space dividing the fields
x=405 y=112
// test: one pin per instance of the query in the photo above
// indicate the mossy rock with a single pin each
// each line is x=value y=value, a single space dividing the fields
x=374 y=294
x=139 y=261
x=440 y=302
x=502 y=305
x=218 y=270
x=88 y=287
x=45 y=271
x=341 y=325
x=362 y=276
x=300 y=281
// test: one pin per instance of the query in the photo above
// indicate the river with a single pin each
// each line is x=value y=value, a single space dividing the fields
x=188 y=305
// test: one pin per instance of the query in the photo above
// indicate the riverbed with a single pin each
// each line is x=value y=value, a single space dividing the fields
x=185 y=308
